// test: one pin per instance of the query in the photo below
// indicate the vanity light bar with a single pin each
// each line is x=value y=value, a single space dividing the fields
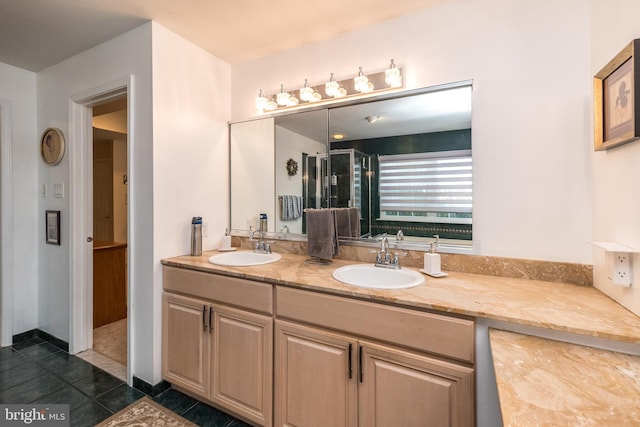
x=331 y=90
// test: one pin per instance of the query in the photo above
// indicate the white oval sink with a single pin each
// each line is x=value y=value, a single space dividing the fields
x=243 y=258
x=370 y=276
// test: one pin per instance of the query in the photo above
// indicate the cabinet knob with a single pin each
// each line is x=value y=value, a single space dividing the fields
x=89 y=239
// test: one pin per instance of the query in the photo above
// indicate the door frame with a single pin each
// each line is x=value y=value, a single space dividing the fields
x=6 y=226
x=81 y=212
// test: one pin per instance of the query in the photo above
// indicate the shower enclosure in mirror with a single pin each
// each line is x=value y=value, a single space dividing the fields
x=404 y=160
x=346 y=185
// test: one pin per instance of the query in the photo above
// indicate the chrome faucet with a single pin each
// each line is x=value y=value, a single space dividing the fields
x=384 y=258
x=260 y=246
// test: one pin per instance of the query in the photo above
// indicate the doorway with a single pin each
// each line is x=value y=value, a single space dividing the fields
x=110 y=235
x=81 y=217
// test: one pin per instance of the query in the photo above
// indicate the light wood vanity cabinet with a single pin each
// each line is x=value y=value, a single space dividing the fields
x=323 y=377
x=185 y=344
x=217 y=352
x=314 y=377
x=398 y=388
x=324 y=360
x=243 y=364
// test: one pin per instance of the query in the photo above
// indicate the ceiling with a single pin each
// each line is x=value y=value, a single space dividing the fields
x=35 y=34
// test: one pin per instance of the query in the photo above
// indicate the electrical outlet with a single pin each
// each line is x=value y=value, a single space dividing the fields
x=621 y=269
x=205 y=229
x=619 y=259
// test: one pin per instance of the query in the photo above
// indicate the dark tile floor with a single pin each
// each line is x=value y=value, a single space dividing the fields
x=35 y=371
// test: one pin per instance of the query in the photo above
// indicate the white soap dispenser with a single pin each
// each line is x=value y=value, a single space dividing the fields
x=432 y=261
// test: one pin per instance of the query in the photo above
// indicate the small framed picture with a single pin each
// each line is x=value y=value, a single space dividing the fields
x=616 y=99
x=52 y=227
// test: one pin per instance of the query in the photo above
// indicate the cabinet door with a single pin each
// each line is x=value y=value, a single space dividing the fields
x=185 y=343
x=312 y=378
x=405 y=389
x=243 y=364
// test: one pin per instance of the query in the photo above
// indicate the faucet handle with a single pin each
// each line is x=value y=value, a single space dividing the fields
x=400 y=254
x=395 y=261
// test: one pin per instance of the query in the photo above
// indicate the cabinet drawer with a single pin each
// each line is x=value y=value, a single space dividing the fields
x=242 y=293
x=433 y=333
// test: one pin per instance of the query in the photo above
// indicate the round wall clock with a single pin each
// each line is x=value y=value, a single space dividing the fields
x=52 y=146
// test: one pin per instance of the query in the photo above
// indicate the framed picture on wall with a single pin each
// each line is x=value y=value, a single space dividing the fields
x=52 y=227
x=616 y=98
x=52 y=146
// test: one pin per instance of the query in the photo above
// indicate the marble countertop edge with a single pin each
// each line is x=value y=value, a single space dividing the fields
x=557 y=306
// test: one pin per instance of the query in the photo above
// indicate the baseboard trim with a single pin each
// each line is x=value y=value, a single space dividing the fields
x=37 y=333
x=151 y=390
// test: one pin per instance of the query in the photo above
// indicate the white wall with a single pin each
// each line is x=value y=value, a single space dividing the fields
x=18 y=105
x=128 y=54
x=252 y=154
x=616 y=206
x=178 y=169
x=529 y=62
x=291 y=145
x=191 y=108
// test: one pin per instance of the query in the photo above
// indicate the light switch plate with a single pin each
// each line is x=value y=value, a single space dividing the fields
x=58 y=190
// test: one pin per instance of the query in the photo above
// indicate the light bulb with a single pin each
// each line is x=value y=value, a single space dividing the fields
x=361 y=83
x=261 y=101
x=283 y=97
x=332 y=87
x=306 y=92
x=271 y=105
x=392 y=76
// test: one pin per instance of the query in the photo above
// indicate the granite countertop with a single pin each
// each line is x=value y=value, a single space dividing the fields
x=540 y=381
x=551 y=383
x=562 y=307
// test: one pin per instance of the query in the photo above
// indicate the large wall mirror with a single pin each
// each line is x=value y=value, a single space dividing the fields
x=403 y=160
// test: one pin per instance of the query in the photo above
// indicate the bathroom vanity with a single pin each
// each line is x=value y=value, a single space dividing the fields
x=286 y=344
x=218 y=340
x=313 y=358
